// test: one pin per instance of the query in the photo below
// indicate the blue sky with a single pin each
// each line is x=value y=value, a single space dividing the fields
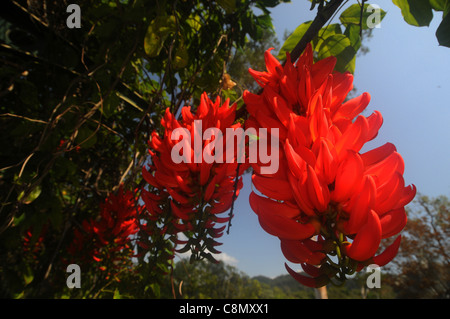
x=408 y=77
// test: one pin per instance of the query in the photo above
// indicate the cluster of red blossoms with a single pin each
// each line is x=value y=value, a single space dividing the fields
x=190 y=195
x=107 y=239
x=329 y=204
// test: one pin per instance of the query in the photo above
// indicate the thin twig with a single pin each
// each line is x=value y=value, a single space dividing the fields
x=23 y=118
x=236 y=181
x=323 y=15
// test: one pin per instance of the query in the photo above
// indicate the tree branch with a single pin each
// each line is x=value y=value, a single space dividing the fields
x=323 y=15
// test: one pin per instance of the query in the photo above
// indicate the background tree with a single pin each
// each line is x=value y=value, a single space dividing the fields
x=422 y=268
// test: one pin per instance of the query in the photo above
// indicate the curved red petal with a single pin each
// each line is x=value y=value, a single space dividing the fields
x=388 y=254
x=367 y=239
x=272 y=187
x=311 y=282
x=348 y=177
x=393 y=222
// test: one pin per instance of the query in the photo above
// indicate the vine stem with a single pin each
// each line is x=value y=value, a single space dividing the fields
x=234 y=197
x=323 y=15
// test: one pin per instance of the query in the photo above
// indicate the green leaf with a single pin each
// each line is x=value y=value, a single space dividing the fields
x=352 y=32
x=157 y=32
x=116 y=294
x=228 y=5
x=86 y=137
x=293 y=39
x=31 y=197
x=265 y=21
x=439 y=5
x=194 y=22
x=443 y=32
x=339 y=46
x=156 y=290
x=333 y=46
x=28 y=276
x=352 y=15
x=415 y=12
x=181 y=57
x=326 y=32
x=110 y=105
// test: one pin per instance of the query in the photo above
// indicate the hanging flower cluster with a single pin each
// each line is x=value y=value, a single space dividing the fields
x=107 y=239
x=188 y=191
x=329 y=203
x=34 y=243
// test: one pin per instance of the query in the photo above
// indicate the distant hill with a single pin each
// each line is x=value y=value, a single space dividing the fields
x=285 y=287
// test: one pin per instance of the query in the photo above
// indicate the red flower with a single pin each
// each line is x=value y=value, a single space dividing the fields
x=107 y=239
x=325 y=186
x=190 y=192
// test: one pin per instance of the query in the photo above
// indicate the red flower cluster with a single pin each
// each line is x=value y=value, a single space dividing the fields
x=34 y=243
x=107 y=239
x=325 y=186
x=189 y=195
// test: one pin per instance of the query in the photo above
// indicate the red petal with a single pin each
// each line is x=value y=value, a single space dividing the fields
x=269 y=206
x=360 y=206
x=178 y=197
x=277 y=224
x=149 y=178
x=352 y=107
x=354 y=137
x=273 y=188
x=210 y=189
x=389 y=194
x=342 y=85
x=304 y=205
x=388 y=254
x=311 y=270
x=375 y=120
x=367 y=239
x=272 y=64
x=296 y=164
x=393 y=222
x=321 y=69
x=348 y=177
x=326 y=163
x=408 y=195
x=378 y=154
x=317 y=191
x=317 y=282
x=179 y=212
x=279 y=105
x=384 y=169
x=295 y=251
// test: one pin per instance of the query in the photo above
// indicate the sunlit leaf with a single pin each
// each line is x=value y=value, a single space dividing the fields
x=293 y=39
x=157 y=32
x=443 y=32
x=228 y=5
x=415 y=12
x=32 y=196
x=339 y=45
x=181 y=57
x=352 y=15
